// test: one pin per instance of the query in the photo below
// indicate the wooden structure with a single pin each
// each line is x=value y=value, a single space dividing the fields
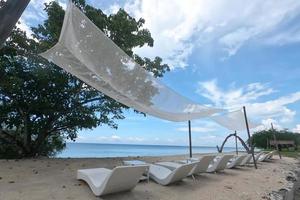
x=282 y=143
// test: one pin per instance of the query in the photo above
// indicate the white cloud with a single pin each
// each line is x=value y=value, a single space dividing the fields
x=136 y=139
x=276 y=108
x=196 y=129
x=179 y=26
x=233 y=97
x=296 y=129
x=205 y=126
x=250 y=96
x=34 y=13
x=267 y=124
x=115 y=137
x=113 y=9
x=104 y=139
x=111 y=139
x=24 y=27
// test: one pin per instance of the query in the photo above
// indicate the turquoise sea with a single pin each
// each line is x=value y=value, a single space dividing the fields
x=80 y=150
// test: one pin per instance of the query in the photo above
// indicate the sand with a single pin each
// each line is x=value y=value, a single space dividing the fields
x=36 y=179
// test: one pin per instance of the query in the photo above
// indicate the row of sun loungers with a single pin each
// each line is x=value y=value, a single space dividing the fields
x=105 y=181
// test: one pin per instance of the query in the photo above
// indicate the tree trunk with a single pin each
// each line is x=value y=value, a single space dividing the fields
x=39 y=141
x=27 y=135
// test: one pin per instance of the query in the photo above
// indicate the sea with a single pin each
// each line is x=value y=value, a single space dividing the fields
x=95 y=150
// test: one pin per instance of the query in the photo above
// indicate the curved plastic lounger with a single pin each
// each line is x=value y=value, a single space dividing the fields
x=166 y=176
x=105 y=181
x=246 y=160
x=203 y=163
x=263 y=157
x=256 y=156
x=266 y=156
x=236 y=161
x=271 y=155
x=220 y=164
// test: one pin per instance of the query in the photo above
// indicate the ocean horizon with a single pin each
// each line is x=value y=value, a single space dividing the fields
x=99 y=150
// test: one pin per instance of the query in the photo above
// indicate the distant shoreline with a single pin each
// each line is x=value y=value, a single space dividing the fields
x=145 y=144
x=97 y=150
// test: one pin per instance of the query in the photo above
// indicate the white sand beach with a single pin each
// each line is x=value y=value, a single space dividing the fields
x=35 y=179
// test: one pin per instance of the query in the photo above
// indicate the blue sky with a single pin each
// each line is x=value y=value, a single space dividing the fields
x=224 y=54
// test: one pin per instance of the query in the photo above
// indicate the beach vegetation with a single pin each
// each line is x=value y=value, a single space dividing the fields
x=261 y=139
x=41 y=105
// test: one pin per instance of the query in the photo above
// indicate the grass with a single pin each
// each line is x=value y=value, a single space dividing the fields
x=288 y=153
x=293 y=154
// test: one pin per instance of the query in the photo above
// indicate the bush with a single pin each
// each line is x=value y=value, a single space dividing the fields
x=260 y=138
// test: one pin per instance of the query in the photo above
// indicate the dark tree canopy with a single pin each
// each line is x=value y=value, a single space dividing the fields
x=260 y=138
x=40 y=104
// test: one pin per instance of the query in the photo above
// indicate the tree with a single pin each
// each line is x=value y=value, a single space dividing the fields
x=40 y=104
x=260 y=138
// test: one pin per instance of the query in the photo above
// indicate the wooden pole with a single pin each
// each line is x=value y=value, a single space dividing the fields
x=249 y=137
x=275 y=140
x=190 y=139
x=236 y=145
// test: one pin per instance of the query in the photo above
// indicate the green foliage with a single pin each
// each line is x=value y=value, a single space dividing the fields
x=292 y=154
x=40 y=104
x=260 y=138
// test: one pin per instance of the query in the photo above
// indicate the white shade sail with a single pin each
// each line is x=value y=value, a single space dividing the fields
x=86 y=52
x=234 y=121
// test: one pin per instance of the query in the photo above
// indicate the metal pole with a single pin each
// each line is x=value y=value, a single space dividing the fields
x=275 y=140
x=190 y=138
x=10 y=13
x=236 y=145
x=250 y=141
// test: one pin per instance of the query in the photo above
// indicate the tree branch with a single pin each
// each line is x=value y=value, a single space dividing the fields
x=10 y=139
x=90 y=100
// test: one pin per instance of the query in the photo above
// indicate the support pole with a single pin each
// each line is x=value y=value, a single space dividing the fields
x=275 y=140
x=10 y=13
x=190 y=139
x=250 y=141
x=236 y=144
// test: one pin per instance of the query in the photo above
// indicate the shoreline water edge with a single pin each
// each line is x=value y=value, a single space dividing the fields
x=98 y=150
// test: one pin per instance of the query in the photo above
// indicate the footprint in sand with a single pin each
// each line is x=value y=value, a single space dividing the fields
x=228 y=187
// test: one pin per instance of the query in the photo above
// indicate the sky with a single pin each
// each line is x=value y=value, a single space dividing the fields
x=226 y=54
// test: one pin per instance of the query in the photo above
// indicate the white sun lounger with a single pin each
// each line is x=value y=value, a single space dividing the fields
x=246 y=160
x=266 y=156
x=219 y=164
x=256 y=157
x=263 y=157
x=165 y=176
x=203 y=163
x=271 y=154
x=236 y=161
x=105 y=181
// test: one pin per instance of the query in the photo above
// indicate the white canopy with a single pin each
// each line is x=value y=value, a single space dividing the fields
x=86 y=52
x=234 y=121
